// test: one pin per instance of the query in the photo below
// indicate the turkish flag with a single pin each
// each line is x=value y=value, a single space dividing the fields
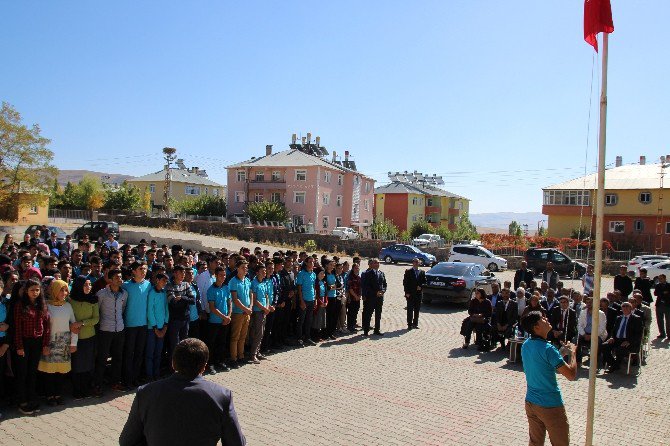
x=597 y=19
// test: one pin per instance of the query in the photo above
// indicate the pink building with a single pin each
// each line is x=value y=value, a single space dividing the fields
x=325 y=193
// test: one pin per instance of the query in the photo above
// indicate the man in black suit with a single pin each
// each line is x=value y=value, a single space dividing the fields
x=626 y=337
x=522 y=275
x=157 y=416
x=623 y=282
x=507 y=314
x=373 y=284
x=563 y=319
x=413 y=283
x=550 y=276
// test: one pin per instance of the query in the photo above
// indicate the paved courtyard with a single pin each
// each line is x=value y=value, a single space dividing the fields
x=416 y=388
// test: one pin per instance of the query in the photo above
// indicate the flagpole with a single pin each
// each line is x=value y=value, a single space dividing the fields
x=600 y=207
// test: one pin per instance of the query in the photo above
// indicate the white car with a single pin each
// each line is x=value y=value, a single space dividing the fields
x=477 y=254
x=345 y=233
x=648 y=260
x=428 y=241
x=656 y=270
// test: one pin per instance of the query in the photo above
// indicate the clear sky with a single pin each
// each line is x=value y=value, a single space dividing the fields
x=492 y=95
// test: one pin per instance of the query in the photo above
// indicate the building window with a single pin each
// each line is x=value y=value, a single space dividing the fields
x=215 y=191
x=617 y=227
x=325 y=222
x=33 y=209
x=611 y=199
x=417 y=201
x=299 y=197
x=326 y=177
x=567 y=197
x=241 y=176
x=192 y=190
x=301 y=175
x=645 y=197
x=260 y=176
x=338 y=201
x=459 y=205
x=275 y=197
x=276 y=175
x=258 y=197
x=667 y=227
x=326 y=198
x=638 y=225
x=338 y=222
x=366 y=204
x=239 y=197
x=429 y=202
x=340 y=179
x=206 y=190
x=152 y=188
x=367 y=187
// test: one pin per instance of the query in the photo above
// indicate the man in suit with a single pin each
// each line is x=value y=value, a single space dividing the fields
x=413 y=283
x=550 y=302
x=623 y=282
x=550 y=276
x=155 y=417
x=507 y=314
x=373 y=284
x=626 y=337
x=563 y=319
x=522 y=275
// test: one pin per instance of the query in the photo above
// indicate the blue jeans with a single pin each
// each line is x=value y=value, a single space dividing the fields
x=152 y=359
x=177 y=331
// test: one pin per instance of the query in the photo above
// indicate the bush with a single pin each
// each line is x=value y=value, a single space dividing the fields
x=383 y=229
x=267 y=211
x=420 y=227
x=204 y=205
x=310 y=246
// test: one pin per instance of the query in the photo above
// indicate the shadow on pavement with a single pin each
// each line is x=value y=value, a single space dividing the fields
x=359 y=337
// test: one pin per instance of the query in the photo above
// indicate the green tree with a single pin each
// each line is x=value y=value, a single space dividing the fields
x=515 y=229
x=67 y=198
x=383 y=229
x=580 y=233
x=444 y=232
x=465 y=230
x=542 y=232
x=25 y=159
x=127 y=196
x=420 y=227
x=90 y=193
x=203 y=205
x=267 y=211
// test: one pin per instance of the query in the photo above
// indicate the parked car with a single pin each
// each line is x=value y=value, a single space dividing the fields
x=456 y=281
x=537 y=259
x=636 y=263
x=406 y=253
x=659 y=268
x=60 y=234
x=96 y=230
x=469 y=253
x=345 y=233
x=428 y=241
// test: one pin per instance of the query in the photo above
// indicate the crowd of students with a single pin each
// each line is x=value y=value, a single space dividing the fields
x=105 y=316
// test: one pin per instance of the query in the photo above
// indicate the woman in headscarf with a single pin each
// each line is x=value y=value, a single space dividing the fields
x=86 y=311
x=55 y=360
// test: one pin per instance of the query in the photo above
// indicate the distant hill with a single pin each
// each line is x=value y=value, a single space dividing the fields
x=501 y=220
x=74 y=176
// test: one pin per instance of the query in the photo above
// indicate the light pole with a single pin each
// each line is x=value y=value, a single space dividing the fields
x=169 y=155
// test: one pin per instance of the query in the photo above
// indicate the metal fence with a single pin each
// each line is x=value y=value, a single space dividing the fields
x=60 y=216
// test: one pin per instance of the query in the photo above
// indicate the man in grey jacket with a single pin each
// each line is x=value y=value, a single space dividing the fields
x=211 y=416
x=112 y=301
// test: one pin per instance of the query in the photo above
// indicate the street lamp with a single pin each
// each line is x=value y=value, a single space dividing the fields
x=169 y=155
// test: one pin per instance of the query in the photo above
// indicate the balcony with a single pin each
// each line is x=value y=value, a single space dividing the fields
x=433 y=209
x=267 y=184
x=454 y=211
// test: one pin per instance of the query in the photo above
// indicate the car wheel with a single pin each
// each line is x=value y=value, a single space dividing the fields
x=492 y=267
x=388 y=259
x=574 y=274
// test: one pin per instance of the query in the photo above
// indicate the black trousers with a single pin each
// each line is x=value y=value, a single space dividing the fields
x=81 y=384
x=109 y=343
x=353 y=306
x=581 y=342
x=304 y=324
x=332 y=315
x=26 y=369
x=270 y=319
x=614 y=352
x=482 y=329
x=218 y=342
x=372 y=304
x=413 y=308
x=133 y=353
x=280 y=325
x=53 y=383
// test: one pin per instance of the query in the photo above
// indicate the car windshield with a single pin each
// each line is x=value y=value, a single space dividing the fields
x=414 y=248
x=424 y=237
x=487 y=251
x=450 y=269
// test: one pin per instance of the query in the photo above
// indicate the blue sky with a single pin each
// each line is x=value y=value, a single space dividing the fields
x=494 y=96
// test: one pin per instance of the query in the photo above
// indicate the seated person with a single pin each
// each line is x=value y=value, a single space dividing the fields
x=521 y=301
x=507 y=315
x=610 y=312
x=549 y=302
x=643 y=311
x=563 y=319
x=534 y=305
x=626 y=337
x=585 y=327
x=479 y=319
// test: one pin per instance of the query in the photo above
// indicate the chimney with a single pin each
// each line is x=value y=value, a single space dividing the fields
x=643 y=160
x=346 y=155
x=334 y=155
x=618 y=162
x=304 y=140
x=268 y=150
x=318 y=141
x=194 y=170
x=294 y=138
x=309 y=138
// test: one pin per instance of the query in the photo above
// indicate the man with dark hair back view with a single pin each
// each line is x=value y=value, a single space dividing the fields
x=153 y=419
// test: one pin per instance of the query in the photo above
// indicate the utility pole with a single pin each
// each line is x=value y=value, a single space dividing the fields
x=169 y=155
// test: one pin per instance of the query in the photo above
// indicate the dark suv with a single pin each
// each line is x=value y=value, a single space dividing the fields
x=96 y=230
x=537 y=259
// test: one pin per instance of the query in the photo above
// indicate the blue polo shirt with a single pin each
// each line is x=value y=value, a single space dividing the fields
x=3 y=317
x=242 y=288
x=540 y=361
x=306 y=280
x=135 y=314
x=220 y=296
x=260 y=290
x=331 y=279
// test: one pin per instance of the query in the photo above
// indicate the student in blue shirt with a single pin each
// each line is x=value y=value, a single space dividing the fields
x=194 y=308
x=261 y=307
x=273 y=267
x=135 y=322
x=240 y=294
x=544 y=402
x=305 y=301
x=157 y=323
x=218 y=330
x=333 y=305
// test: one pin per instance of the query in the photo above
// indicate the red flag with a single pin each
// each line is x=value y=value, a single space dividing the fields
x=597 y=19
